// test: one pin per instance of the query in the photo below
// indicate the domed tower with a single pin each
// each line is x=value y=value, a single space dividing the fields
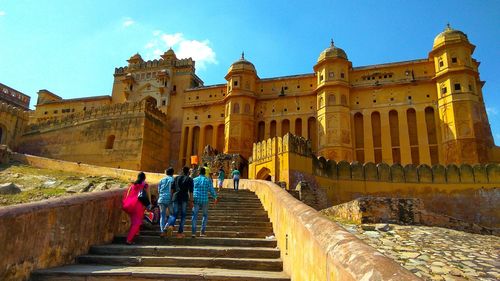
x=240 y=103
x=332 y=91
x=466 y=135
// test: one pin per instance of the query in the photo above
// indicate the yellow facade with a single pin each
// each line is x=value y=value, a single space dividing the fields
x=424 y=111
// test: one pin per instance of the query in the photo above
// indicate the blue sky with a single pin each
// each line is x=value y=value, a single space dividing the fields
x=72 y=47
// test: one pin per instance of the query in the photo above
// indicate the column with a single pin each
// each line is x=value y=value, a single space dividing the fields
x=368 y=137
x=267 y=130
x=292 y=126
x=182 y=153
x=189 y=145
x=404 y=138
x=304 y=127
x=215 y=128
x=201 y=141
x=278 y=128
x=423 y=139
x=386 y=137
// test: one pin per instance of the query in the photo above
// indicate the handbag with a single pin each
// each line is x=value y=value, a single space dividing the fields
x=143 y=197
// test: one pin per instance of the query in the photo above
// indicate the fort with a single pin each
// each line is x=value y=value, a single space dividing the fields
x=415 y=130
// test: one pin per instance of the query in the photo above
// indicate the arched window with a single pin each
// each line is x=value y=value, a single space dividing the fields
x=430 y=121
x=110 y=141
x=261 y=131
x=247 y=108
x=312 y=133
x=298 y=127
x=1 y=135
x=331 y=99
x=273 y=129
x=343 y=100
x=285 y=127
x=236 y=108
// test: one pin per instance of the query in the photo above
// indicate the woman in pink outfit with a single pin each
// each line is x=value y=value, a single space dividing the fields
x=133 y=207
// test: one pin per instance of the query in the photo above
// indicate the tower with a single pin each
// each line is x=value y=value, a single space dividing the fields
x=466 y=135
x=332 y=92
x=239 y=108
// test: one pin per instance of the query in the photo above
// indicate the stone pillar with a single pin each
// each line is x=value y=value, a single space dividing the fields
x=368 y=137
x=215 y=128
x=267 y=130
x=304 y=127
x=182 y=153
x=201 y=141
x=386 y=137
x=423 y=139
x=189 y=145
x=404 y=138
x=278 y=128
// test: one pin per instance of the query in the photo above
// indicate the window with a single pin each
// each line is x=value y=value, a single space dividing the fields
x=457 y=86
x=164 y=102
x=441 y=64
x=342 y=75
x=470 y=87
x=321 y=77
x=110 y=141
x=45 y=113
x=55 y=111
x=209 y=116
x=175 y=88
x=331 y=74
x=454 y=60
x=444 y=90
x=235 y=83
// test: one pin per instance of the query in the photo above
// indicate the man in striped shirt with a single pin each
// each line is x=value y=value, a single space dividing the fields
x=202 y=186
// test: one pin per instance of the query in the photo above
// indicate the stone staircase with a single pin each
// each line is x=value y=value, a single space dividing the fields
x=235 y=248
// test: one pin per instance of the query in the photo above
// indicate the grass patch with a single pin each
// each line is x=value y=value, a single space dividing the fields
x=31 y=195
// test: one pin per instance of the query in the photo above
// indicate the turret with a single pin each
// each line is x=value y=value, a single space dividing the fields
x=466 y=134
x=332 y=92
x=240 y=103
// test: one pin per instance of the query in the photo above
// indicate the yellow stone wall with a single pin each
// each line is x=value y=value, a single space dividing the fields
x=12 y=123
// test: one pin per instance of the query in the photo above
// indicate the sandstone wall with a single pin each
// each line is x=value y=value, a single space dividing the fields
x=315 y=248
x=53 y=232
x=129 y=135
x=12 y=122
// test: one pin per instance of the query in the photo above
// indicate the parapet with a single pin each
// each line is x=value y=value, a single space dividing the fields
x=287 y=143
x=464 y=173
x=12 y=110
x=157 y=63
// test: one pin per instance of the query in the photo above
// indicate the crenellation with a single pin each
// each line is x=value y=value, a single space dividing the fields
x=425 y=174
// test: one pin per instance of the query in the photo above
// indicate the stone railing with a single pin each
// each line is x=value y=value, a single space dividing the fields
x=315 y=248
x=128 y=108
x=53 y=232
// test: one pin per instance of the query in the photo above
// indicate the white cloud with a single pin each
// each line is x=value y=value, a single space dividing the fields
x=2 y=13
x=492 y=111
x=128 y=22
x=200 y=51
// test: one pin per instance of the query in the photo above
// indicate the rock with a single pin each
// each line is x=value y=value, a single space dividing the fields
x=409 y=255
x=383 y=227
x=368 y=227
x=83 y=186
x=49 y=183
x=9 y=188
x=101 y=186
x=15 y=175
x=114 y=186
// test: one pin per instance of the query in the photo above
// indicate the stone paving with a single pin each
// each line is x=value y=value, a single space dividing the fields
x=435 y=253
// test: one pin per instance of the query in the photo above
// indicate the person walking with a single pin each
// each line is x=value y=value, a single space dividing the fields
x=202 y=186
x=165 y=199
x=236 y=178
x=133 y=206
x=207 y=170
x=220 y=178
x=181 y=192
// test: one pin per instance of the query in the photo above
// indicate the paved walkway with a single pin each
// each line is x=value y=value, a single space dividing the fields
x=435 y=253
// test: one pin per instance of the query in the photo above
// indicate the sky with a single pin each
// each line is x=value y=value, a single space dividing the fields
x=72 y=47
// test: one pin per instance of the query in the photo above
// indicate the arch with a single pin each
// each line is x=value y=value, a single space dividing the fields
x=394 y=129
x=264 y=174
x=110 y=141
x=377 y=136
x=261 y=130
x=359 y=137
x=209 y=132
x=331 y=99
x=150 y=100
x=312 y=133
x=185 y=143
x=411 y=117
x=236 y=108
x=430 y=121
x=285 y=127
x=247 y=108
x=196 y=140
x=3 y=134
x=272 y=128
x=298 y=127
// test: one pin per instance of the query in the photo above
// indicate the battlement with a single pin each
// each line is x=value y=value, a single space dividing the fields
x=13 y=110
x=114 y=110
x=157 y=63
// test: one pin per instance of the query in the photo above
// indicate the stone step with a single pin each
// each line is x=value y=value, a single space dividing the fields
x=198 y=241
x=231 y=217
x=120 y=273
x=215 y=233
x=232 y=213
x=208 y=262
x=231 y=222
x=241 y=228
x=186 y=251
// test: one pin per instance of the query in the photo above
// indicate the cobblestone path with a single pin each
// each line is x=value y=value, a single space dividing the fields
x=435 y=253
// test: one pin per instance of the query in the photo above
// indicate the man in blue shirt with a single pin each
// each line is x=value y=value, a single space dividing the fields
x=164 y=200
x=202 y=186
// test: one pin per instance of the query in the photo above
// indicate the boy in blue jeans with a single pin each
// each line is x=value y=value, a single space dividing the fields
x=202 y=186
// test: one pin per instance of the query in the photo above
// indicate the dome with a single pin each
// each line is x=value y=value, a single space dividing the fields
x=449 y=34
x=242 y=64
x=135 y=58
x=168 y=54
x=332 y=52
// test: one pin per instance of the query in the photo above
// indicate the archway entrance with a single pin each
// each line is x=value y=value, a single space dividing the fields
x=2 y=134
x=264 y=174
